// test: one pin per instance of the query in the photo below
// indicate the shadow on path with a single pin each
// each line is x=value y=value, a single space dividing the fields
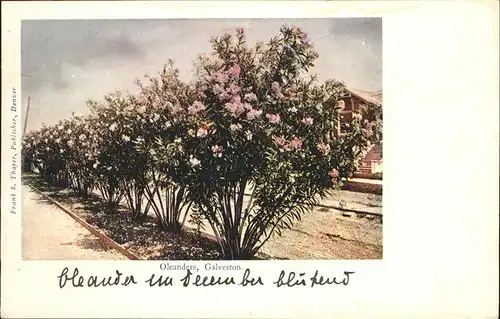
x=145 y=238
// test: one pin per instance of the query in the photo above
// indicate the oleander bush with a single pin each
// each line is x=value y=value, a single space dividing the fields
x=247 y=147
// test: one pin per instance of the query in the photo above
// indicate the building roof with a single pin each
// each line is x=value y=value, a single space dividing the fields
x=370 y=97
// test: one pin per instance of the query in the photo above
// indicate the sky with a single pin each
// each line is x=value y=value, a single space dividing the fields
x=66 y=62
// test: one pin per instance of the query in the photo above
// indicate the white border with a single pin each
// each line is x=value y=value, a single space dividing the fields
x=440 y=227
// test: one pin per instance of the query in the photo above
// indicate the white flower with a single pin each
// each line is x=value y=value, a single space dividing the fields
x=58 y=140
x=69 y=131
x=217 y=150
x=341 y=104
x=156 y=117
x=141 y=109
x=95 y=165
x=139 y=140
x=248 y=135
x=61 y=151
x=113 y=127
x=152 y=152
x=168 y=124
x=191 y=132
x=108 y=168
x=71 y=143
x=178 y=140
x=235 y=127
x=319 y=107
x=125 y=138
x=293 y=109
x=323 y=148
x=250 y=97
x=82 y=137
x=194 y=161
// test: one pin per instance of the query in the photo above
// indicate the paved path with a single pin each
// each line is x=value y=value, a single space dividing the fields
x=367 y=181
x=50 y=234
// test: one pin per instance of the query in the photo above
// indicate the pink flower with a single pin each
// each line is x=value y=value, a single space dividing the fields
x=235 y=107
x=220 y=77
x=307 y=120
x=250 y=97
x=280 y=140
x=234 y=89
x=235 y=70
x=333 y=174
x=196 y=107
x=202 y=131
x=253 y=113
x=323 y=148
x=367 y=133
x=236 y=99
x=295 y=143
x=231 y=106
x=273 y=118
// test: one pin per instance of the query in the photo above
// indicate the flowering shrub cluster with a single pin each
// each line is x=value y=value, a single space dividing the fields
x=249 y=145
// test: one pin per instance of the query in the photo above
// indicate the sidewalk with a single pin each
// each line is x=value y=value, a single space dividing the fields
x=50 y=234
x=367 y=181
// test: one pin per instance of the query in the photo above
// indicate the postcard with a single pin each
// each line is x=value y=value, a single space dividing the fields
x=249 y=159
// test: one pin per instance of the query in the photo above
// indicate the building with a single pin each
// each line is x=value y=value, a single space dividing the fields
x=371 y=165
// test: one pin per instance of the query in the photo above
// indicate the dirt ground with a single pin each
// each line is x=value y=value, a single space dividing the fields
x=324 y=233
x=50 y=234
x=327 y=234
